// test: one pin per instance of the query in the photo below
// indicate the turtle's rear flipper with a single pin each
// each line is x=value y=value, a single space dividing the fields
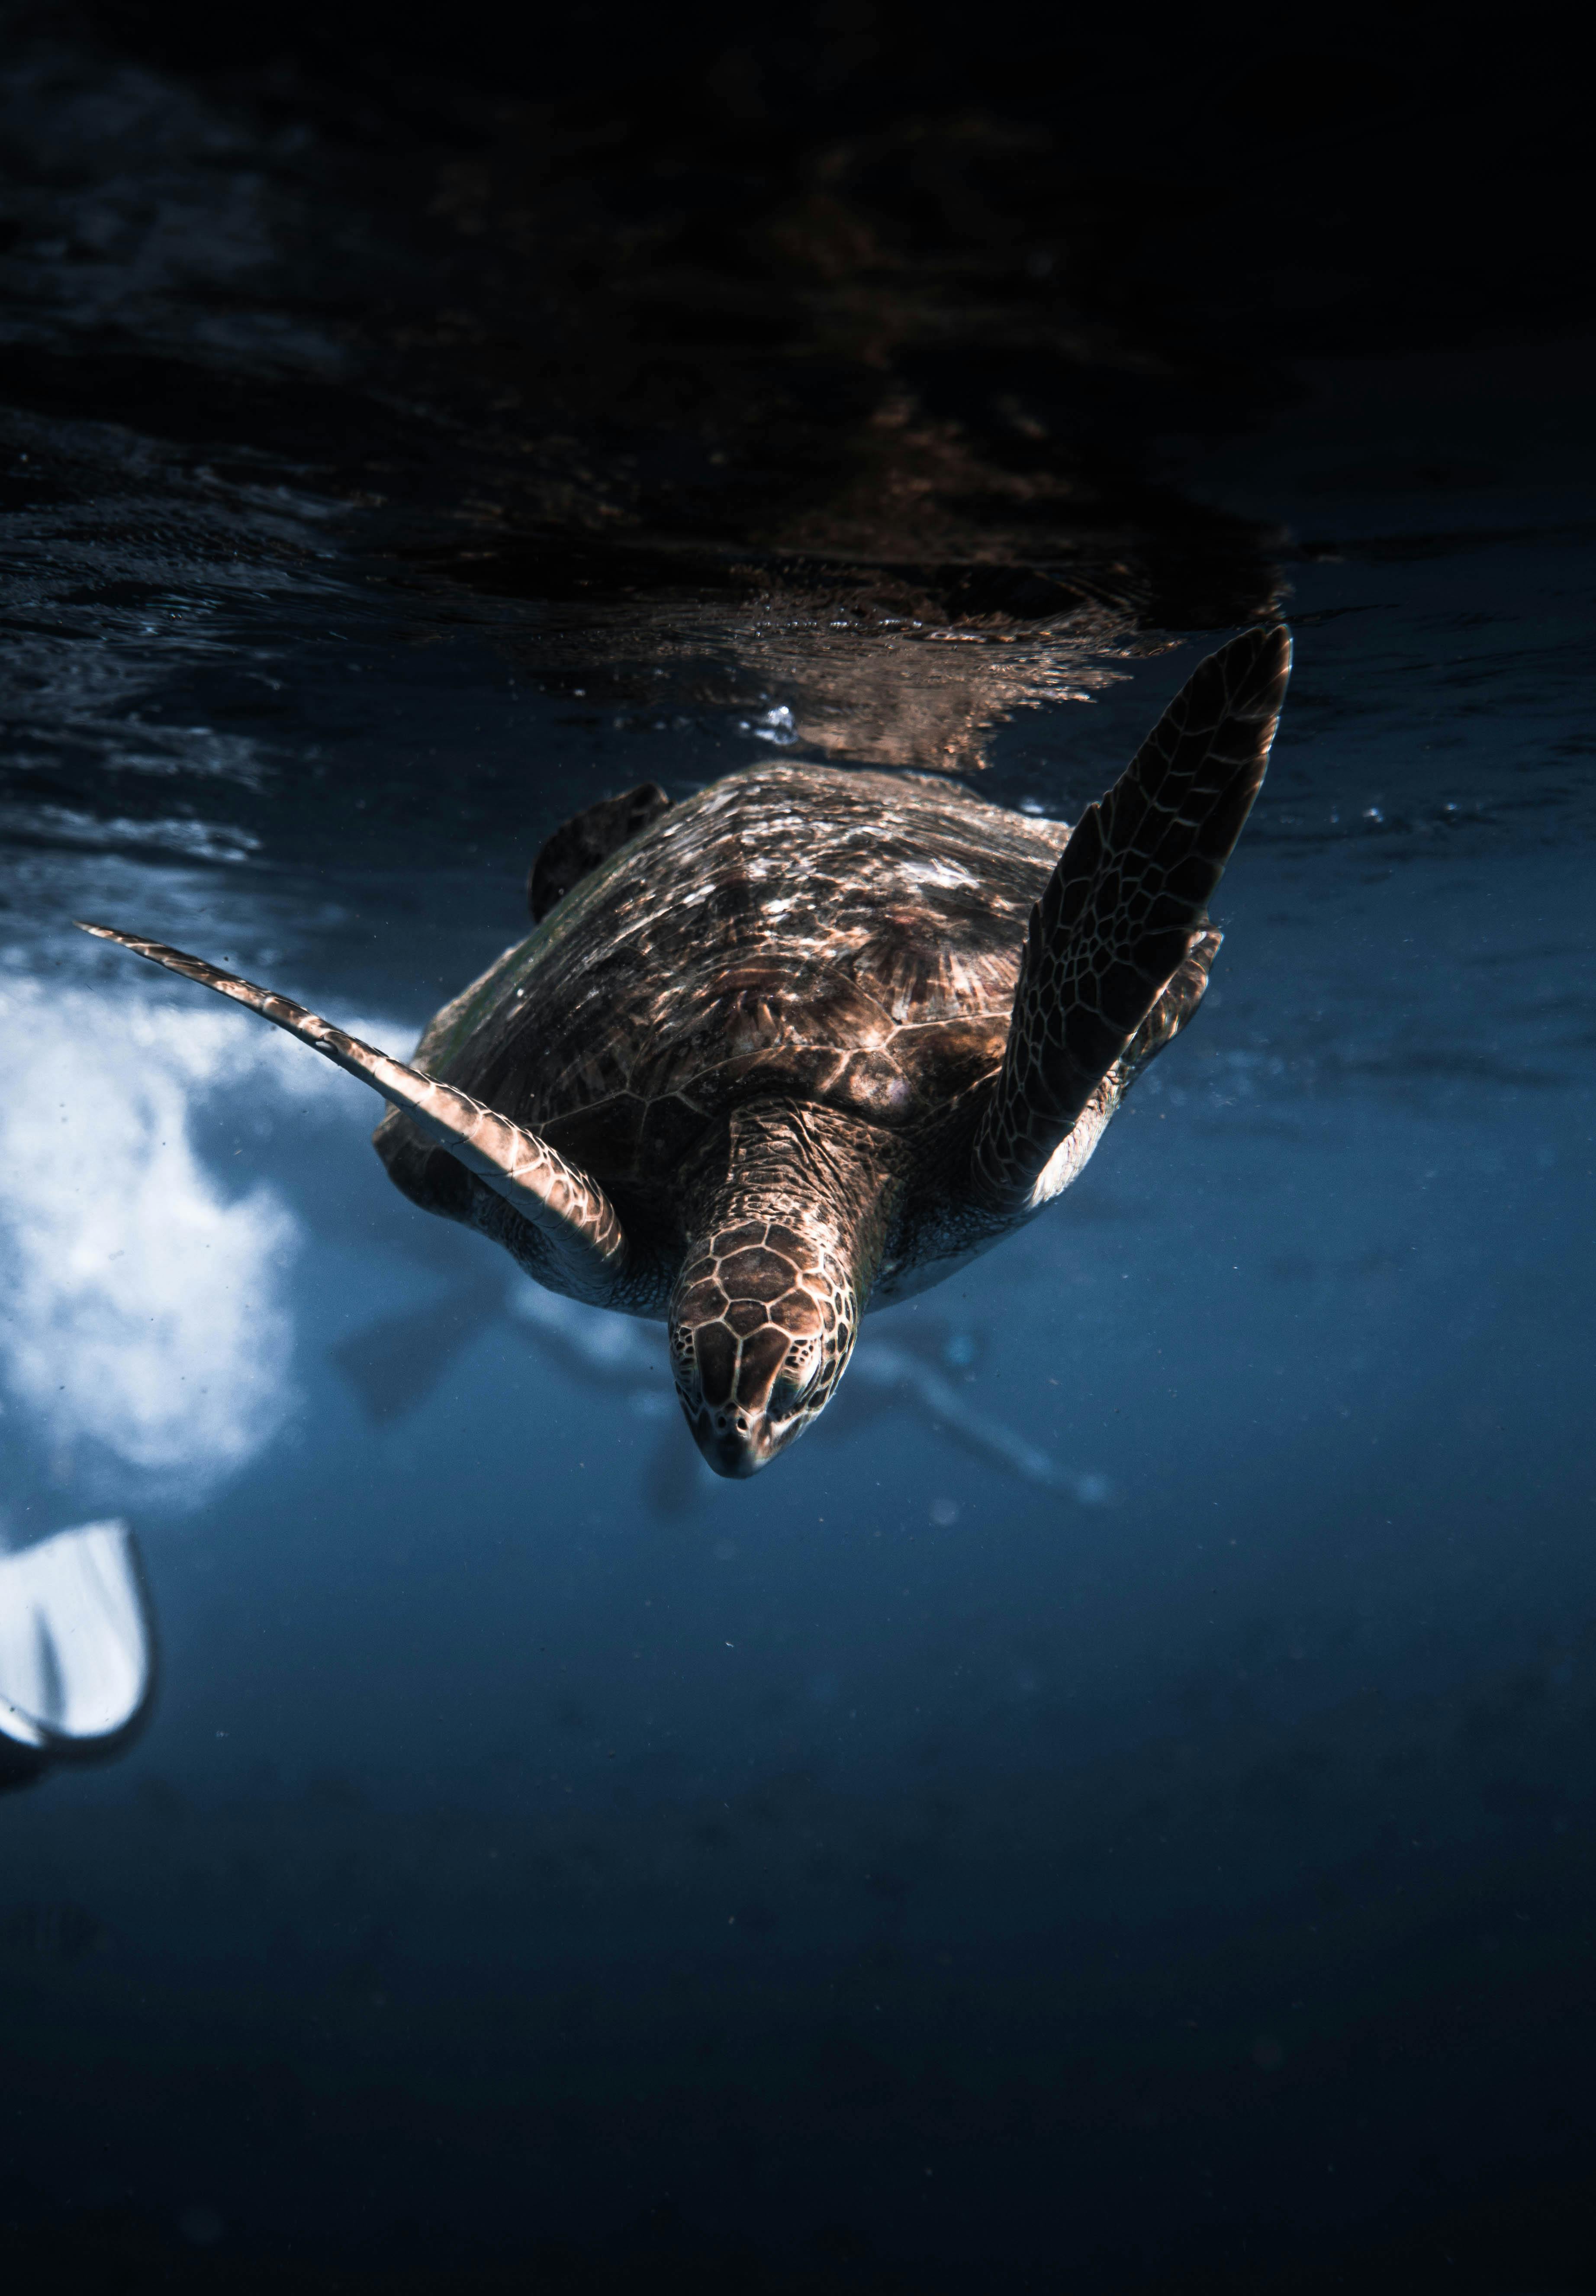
x=587 y=841
x=394 y=1365
x=1117 y=953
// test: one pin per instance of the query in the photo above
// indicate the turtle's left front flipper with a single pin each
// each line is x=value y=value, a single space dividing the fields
x=1118 y=951
x=576 y=1220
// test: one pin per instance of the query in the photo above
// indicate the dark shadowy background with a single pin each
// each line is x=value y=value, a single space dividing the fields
x=886 y=302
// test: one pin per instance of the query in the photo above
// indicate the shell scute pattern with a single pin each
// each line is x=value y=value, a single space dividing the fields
x=917 y=977
x=846 y=938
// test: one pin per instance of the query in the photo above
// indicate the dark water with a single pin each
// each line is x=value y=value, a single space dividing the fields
x=1114 y=1809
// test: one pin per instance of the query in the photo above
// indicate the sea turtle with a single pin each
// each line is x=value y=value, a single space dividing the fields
x=808 y=1041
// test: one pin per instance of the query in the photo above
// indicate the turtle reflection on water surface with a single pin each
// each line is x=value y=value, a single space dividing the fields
x=807 y=1042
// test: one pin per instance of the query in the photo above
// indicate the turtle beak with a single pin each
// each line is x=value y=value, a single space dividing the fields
x=741 y=1409
x=736 y=1453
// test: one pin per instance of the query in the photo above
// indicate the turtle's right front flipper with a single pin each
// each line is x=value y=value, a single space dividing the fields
x=1116 y=955
x=577 y=1224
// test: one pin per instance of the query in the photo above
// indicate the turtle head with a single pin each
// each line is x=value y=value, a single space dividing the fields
x=762 y=1323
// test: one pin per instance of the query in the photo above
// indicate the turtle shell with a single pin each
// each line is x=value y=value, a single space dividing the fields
x=852 y=939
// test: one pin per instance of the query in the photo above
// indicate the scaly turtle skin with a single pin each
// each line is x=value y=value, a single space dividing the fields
x=805 y=1043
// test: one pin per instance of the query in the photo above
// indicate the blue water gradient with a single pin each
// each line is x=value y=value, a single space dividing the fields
x=1121 y=1790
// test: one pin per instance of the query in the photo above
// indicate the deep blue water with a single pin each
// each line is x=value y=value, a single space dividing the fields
x=1113 y=1808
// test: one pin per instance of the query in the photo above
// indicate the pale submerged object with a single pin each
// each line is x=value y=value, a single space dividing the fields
x=76 y=1643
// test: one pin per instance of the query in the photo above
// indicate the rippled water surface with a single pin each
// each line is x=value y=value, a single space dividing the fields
x=1114 y=1806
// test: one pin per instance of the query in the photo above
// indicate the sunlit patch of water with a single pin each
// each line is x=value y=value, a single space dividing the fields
x=146 y=1336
